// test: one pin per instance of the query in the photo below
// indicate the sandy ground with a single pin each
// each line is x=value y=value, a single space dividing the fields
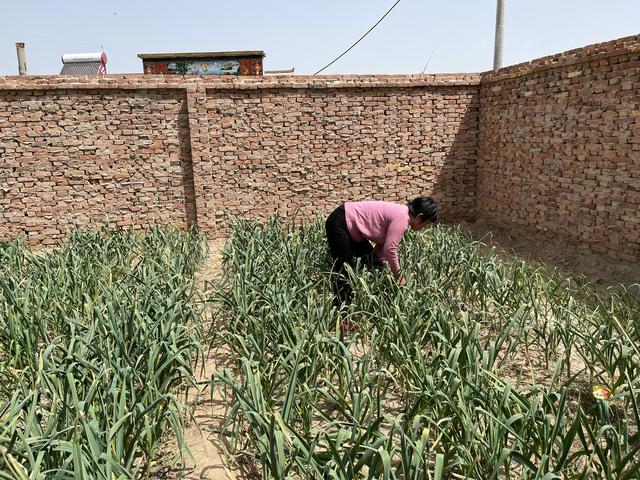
x=202 y=433
x=603 y=270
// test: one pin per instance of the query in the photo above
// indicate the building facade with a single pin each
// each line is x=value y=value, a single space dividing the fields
x=203 y=63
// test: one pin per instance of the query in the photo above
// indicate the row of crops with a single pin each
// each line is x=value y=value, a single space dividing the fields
x=99 y=339
x=476 y=368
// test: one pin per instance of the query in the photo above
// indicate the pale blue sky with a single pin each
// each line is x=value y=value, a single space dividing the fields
x=307 y=35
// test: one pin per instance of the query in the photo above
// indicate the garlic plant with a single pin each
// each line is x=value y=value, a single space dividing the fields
x=99 y=339
x=476 y=368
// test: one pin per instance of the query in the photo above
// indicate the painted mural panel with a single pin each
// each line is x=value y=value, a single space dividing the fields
x=226 y=66
x=214 y=67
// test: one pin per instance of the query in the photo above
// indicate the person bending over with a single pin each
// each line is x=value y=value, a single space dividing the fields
x=353 y=225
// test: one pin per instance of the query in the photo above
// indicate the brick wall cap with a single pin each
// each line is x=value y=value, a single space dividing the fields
x=141 y=81
x=589 y=53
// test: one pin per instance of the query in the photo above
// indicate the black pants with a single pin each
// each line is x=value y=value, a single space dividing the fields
x=345 y=249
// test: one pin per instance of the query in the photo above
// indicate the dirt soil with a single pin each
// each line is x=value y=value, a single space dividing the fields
x=602 y=270
x=202 y=432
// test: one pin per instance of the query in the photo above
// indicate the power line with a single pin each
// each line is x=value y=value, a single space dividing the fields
x=358 y=41
x=429 y=59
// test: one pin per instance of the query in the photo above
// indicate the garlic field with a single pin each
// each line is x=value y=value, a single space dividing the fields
x=98 y=342
x=475 y=368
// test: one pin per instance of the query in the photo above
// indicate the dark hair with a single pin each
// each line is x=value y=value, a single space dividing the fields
x=424 y=206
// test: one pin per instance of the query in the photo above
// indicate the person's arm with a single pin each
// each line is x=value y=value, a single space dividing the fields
x=389 y=250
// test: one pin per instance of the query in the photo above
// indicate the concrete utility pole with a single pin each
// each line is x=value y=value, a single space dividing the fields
x=497 y=52
x=22 y=60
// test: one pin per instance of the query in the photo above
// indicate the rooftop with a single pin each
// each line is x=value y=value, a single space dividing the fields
x=240 y=53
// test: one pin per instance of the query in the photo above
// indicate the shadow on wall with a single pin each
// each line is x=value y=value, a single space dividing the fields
x=455 y=181
x=186 y=165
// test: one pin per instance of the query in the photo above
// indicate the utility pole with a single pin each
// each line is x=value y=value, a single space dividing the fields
x=22 y=61
x=497 y=52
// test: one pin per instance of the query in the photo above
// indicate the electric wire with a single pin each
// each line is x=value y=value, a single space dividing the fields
x=358 y=41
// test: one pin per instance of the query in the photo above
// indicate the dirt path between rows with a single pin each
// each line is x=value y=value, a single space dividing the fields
x=202 y=432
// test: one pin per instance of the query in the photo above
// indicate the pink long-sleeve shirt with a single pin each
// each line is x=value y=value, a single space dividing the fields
x=384 y=223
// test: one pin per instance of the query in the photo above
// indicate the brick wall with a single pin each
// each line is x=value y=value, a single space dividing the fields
x=137 y=150
x=552 y=145
x=559 y=148
x=310 y=150
x=77 y=157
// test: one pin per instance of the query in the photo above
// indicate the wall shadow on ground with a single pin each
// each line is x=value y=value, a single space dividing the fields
x=566 y=256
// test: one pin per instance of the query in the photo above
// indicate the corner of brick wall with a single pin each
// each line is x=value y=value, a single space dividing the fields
x=559 y=146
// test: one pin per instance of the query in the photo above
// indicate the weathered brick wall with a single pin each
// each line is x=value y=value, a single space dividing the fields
x=559 y=148
x=309 y=149
x=80 y=157
x=137 y=150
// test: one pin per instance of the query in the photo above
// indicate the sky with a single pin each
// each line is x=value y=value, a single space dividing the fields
x=443 y=35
